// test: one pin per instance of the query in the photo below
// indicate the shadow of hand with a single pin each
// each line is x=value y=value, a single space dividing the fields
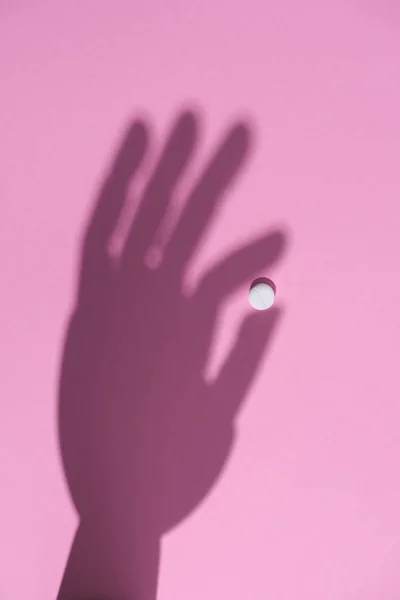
x=143 y=435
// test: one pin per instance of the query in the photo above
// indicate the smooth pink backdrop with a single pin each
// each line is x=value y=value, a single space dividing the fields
x=308 y=506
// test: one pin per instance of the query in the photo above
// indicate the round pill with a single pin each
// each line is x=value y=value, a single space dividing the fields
x=261 y=296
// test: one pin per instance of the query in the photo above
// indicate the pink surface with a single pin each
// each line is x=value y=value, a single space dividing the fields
x=306 y=505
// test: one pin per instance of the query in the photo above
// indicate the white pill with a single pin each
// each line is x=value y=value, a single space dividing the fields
x=261 y=296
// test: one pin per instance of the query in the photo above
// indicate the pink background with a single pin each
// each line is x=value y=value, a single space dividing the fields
x=308 y=504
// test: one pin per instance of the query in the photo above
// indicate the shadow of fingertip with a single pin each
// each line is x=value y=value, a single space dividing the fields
x=233 y=152
x=188 y=119
x=278 y=240
x=240 y=137
x=273 y=245
x=184 y=133
x=260 y=320
x=137 y=135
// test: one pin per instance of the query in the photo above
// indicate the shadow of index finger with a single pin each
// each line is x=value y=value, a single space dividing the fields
x=240 y=266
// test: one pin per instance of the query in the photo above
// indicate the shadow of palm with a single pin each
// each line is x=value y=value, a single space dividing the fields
x=143 y=435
